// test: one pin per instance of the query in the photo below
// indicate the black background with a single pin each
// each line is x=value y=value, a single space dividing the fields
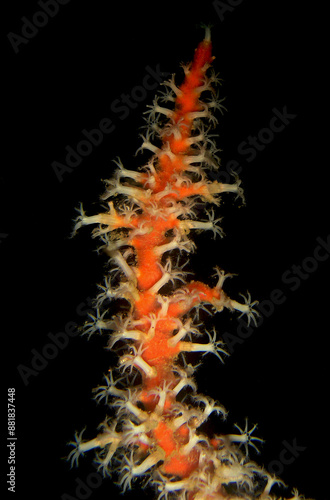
x=270 y=55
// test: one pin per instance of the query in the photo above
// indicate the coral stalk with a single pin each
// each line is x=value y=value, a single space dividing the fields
x=145 y=230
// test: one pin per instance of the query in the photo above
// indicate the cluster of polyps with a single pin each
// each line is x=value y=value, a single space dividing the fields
x=155 y=431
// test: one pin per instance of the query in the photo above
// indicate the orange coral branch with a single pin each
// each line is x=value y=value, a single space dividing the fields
x=155 y=432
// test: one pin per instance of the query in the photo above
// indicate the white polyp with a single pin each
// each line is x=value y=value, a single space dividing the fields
x=136 y=193
x=160 y=405
x=161 y=392
x=207 y=36
x=123 y=172
x=183 y=383
x=176 y=485
x=193 y=347
x=99 y=442
x=103 y=325
x=133 y=334
x=169 y=113
x=195 y=139
x=140 y=414
x=149 y=462
x=152 y=328
x=158 y=285
x=186 y=414
x=222 y=276
x=169 y=189
x=245 y=437
x=110 y=246
x=172 y=130
x=271 y=481
x=244 y=308
x=150 y=371
x=151 y=147
x=106 y=219
x=196 y=224
x=89 y=445
x=150 y=168
x=218 y=187
x=127 y=270
x=166 y=150
x=199 y=158
x=180 y=335
x=143 y=438
x=210 y=406
x=151 y=181
x=146 y=144
x=126 y=335
x=164 y=302
x=166 y=247
x=171 y=83
x=126 y=290
x=192 y=443
x=177 y=422
x=238 y=438
x=212 y=347
x=210 y=225
x=193 y=115
x=131 y=430
x=107 y=459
